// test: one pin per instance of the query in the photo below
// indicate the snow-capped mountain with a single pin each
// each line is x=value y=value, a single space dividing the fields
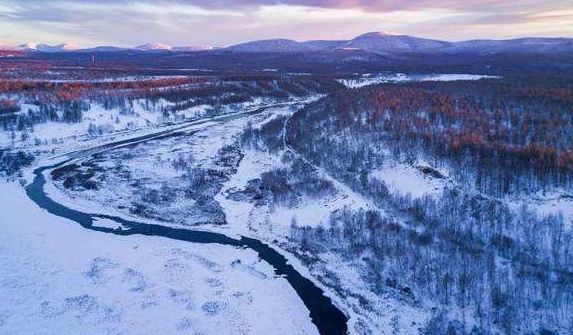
x=30 y=46
x=48 y=48
x=154 y=46
x=377 y=43
x=36 y=47
x=384 y=42
x=106 y=48
x=193 y=48
x=7 y=50
x=373 y=42
x=161 y=46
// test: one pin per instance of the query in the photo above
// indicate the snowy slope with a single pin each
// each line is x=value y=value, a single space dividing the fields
x=407 y=180
x=382 y=42
x=273 y=45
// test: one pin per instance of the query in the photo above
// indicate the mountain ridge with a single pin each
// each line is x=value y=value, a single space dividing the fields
x=372 y=42
x=383 y=43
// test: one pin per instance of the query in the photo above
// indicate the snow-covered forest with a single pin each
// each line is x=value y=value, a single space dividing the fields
x=485 y=235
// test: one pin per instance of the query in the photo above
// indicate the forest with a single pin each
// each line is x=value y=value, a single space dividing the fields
x=499 y=136
x=486 y=267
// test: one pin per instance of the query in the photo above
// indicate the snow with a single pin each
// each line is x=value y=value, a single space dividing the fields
x=108 y=120
x=59 y=278
x=96 y=80
x=154 y=46
x=238 y=213
x=369 y=79
x=106 y=223
x=272 y=224
x=113 y=121
x=405 y=179
x=563 y=206
x=381 y=308
x=243 y=217
x=555 y=202
x=246 y=218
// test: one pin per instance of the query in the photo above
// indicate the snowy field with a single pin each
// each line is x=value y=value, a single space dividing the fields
x=58 y=278
x=405 y=179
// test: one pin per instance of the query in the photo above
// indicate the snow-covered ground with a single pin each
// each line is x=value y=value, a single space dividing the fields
x=272 y=224
x=405 y=179
x=555 y=202
x=98 y=80
x=151 y=162
x=56 y=278
x=150 y=166
x=246 y=218
x=367 y=80
x=97 y=117
x=99 y=121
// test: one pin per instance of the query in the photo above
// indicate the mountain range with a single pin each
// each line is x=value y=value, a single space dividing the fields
x=70 y=47
x=373 y=42
x=382 y=43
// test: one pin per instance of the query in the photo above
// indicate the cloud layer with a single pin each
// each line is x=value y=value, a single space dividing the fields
x=223 y=22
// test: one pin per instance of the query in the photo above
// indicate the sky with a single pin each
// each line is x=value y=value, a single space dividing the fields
x=225 y=22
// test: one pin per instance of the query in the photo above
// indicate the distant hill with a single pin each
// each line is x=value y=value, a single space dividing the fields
x=273 y=45
x=520 y=45
x=153 y=47
x=368 y=53
x=383 y=43
x=48 y=48
x=388 y=43
x=374 y=42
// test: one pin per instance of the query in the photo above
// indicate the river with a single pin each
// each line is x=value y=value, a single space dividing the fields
x=328 y=319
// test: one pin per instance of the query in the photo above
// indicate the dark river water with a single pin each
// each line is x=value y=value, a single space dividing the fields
x=324 y=314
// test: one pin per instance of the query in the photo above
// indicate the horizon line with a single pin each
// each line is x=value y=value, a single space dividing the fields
x=80 y=46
